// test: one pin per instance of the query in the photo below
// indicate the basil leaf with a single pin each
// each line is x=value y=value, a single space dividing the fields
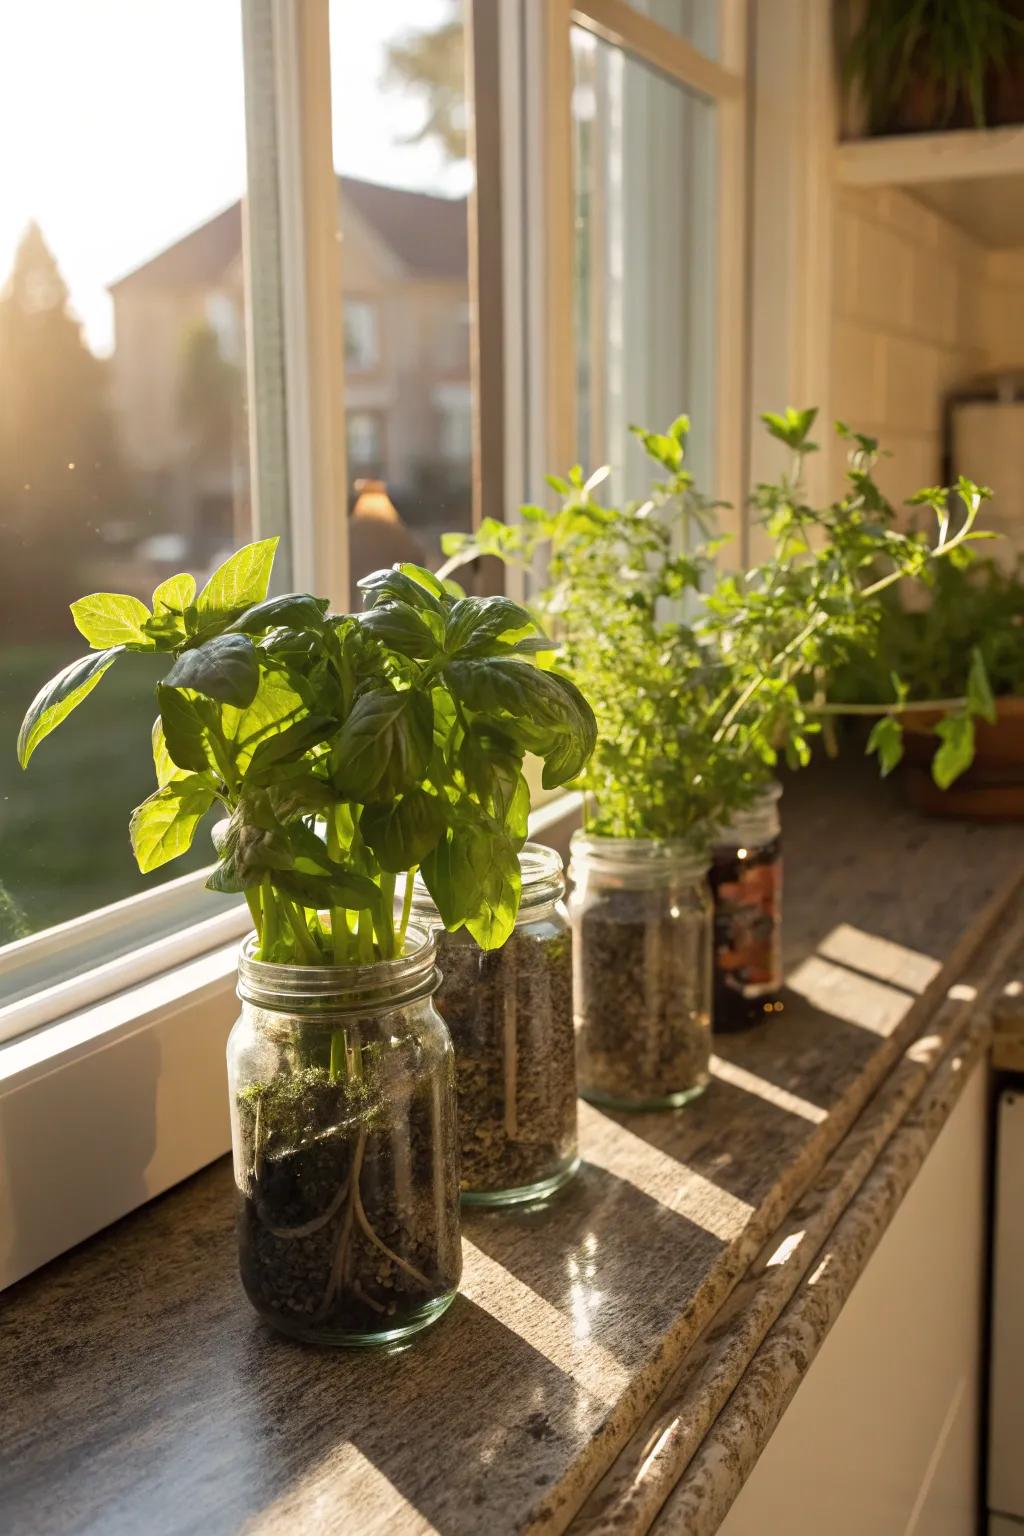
x=185 y=732
x=401 y=627
x=548 y=709
x=405 y=584
x=957 y=750
x=384 y=745
x=293 y=610
x=167 y=770
x=163 y=826
x=495 y=918
x=277 y=706
x=57 y=698
x=175 y=594
x=474 y=623
x=112 y=618
x=237 y=584
x=402 y=833
x=344 y=888
x=224 y=668
x=474 y=880
x=887 y=740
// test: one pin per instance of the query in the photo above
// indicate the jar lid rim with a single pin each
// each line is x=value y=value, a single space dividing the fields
x=411 y=974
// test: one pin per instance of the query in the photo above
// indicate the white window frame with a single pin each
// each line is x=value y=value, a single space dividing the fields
x=113 y=1088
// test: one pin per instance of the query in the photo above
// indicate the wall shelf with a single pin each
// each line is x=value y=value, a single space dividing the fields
x=975 y=177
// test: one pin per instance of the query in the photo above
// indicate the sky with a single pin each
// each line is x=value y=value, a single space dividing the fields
x=123 y=125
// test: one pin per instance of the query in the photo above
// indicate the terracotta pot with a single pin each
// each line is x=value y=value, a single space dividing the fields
x=993 y=787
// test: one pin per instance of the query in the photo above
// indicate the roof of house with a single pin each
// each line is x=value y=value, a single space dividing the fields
x=428 y=234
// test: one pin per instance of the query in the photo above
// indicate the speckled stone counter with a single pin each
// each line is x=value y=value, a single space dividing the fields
x=618 y=1359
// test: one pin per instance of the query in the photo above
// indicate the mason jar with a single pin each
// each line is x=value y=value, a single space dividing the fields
x=343 y=1126
x=509 y=1012
x=641 y=919
x=746 y=884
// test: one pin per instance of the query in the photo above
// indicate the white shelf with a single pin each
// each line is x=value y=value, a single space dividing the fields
x=974 y=176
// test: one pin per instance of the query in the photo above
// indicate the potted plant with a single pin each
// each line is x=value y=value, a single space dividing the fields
x=509 y=1013
x=952 y=670
x=699 y=680
x=926 y=65
x=343 y=751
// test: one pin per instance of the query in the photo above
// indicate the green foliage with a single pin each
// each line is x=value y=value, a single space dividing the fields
x=344 y=750
x=952 y=50
x=959 y=651
x=702 y=679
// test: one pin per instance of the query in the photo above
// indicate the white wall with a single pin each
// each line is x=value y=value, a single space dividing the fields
x=882 y=1437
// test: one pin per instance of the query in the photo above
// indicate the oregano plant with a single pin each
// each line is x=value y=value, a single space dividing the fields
x=344 y=751
x=702 y=678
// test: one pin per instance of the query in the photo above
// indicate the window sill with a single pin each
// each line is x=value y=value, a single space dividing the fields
x=124 y=1095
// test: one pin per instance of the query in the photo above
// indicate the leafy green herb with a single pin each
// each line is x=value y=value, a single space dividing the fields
x=344 y=750
x=702 y=678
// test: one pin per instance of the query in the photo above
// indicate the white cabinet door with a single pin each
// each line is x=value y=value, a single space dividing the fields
x=881 y=1438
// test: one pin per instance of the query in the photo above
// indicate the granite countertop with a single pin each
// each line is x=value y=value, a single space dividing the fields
x=618 y=1355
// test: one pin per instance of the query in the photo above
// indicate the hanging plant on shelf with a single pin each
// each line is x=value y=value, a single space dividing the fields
x=344 y=751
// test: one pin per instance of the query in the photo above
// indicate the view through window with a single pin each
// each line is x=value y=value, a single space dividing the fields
x=399 y=100
x=123 y=454
x=644 y=167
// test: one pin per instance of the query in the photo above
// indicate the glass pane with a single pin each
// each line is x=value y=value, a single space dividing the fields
x=399 y=91
x=123 y=455
x=696 y=20
x=644 y=289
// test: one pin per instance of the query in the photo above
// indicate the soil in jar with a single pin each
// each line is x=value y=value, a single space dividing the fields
x=509 y=1013
x=642 y=1021
x=748 y=936
x=348 y=1226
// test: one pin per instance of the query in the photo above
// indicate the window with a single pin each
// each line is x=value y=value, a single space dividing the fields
x=123 y=447
x=644 y=260
x=374 y=357
x=362 y=341
x=365 y=435
x=404 y=175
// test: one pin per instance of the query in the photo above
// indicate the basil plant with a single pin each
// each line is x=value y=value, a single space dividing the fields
x=344 y=750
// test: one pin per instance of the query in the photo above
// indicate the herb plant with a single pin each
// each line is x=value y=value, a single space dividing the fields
x=700 y=679
x=344 y=750
x=957 y=653
x=953 y=47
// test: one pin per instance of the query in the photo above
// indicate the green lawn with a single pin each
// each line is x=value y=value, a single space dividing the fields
x=64 y=845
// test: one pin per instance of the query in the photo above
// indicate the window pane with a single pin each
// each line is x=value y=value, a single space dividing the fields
x=696 y=20
x=123 y=455
x=399 y=91
x=644 y=187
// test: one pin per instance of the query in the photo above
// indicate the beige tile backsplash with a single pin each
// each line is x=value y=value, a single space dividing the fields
x=919 y=309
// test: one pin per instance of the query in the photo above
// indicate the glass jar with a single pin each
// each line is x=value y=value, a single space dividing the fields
x=509 y=1012
x=343 y=1125
x=746 y=883
x=641 y=918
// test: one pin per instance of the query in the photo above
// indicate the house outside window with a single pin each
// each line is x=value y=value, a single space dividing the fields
x=362 y=335
x=365 y=442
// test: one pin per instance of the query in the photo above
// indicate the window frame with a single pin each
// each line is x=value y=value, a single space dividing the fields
x=113 y=1088
x=723 y=82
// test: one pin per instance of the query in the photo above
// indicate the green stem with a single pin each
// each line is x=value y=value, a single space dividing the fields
x=406 y=905
x=271 y=918
x=365 y=938
x=303 y=939
x=386 y=934
x=907 y=708
x=252 y=897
